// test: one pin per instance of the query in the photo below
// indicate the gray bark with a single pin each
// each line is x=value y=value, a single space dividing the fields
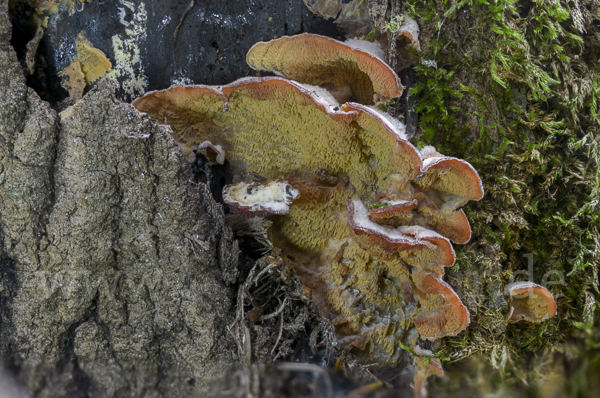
x=114 y=264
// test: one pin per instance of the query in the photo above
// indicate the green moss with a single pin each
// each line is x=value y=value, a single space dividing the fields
x=371 y=35
x=513 y=87
x=395 y=23
x=378 y=205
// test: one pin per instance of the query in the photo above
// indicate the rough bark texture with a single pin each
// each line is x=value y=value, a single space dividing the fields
x=114 y=263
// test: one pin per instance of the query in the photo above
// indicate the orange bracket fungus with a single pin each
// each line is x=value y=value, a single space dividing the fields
x=529 y=302
x=362 y=217
x=393 y=211
x=455 y=178
x=377 y=239
x=352 y=71
x=441 y=312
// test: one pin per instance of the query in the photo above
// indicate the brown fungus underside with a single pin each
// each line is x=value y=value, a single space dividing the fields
x=364 y=276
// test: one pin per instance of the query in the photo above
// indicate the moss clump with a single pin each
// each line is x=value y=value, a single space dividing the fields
x=512 y=87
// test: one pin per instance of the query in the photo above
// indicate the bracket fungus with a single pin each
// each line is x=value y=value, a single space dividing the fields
x=327 y=174
x=352 y=71
x=441 y=312
x=529 y=302
x=406 y=40
x=456 y=178
x=409 y=31
x=444 y=184
x=414 y=244
x=393 y=211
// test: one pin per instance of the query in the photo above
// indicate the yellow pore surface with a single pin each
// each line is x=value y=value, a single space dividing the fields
x=368 y=300
x=275 y=130
x=94 y=63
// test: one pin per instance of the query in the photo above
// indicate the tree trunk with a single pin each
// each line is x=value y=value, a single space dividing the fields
x=115 y=265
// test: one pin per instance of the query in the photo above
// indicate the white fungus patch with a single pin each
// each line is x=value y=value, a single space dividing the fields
x=274 y=197
x=368 y=47
x=410 y=27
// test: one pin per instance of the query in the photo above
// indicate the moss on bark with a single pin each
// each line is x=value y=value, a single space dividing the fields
x=512 y=87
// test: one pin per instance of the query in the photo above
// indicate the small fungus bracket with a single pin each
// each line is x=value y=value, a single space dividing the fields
x=352 y=71
x=529 y=302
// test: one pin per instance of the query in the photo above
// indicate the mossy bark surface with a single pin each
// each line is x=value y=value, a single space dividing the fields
x=512 y=87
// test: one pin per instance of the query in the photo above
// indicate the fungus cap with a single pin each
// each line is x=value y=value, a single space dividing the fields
x=391 y=238
x=276 y=127
x=425 y=366
x=261 y=198
x=388 y=210
x=447 y=254
x=409 y=30
x=456 y=178
x=455 y=225
x=349 y=69
x=426 y=245
x=441 y=313
x=529 y=302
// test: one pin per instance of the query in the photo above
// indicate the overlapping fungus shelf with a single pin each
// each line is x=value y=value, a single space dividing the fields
x=327 y=173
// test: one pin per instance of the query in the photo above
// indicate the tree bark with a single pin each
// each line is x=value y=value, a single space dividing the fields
x=115 y=265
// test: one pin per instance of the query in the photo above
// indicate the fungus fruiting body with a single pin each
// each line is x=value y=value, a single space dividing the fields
x=382 y=241
x=529 y=302
x=358 y=212
x=409 y=30
x=406 y=39
x=276 y=127
x=94 y=63
x=351 y=16
x=441 y=312
x=352 y=70
x=425 y=365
